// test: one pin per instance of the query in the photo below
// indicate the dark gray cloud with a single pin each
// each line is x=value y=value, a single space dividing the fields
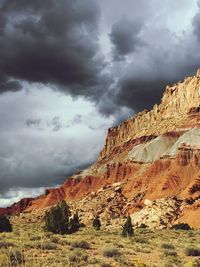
x=125 y=37
x=137 y=93
x=161 y=61
x=121 y=64
x=196 y=23
x=32 y=163
x=57 y=43
x=54 y=42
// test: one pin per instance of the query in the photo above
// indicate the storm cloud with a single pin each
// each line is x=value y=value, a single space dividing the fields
x=58 y=43
x=71 y=69
x=52 y=42
x=125 y=37
x=158 y=57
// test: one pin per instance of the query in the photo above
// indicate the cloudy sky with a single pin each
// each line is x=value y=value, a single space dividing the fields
x=71 y=69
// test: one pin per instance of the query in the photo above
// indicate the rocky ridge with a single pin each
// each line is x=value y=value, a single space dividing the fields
x=153 y=155
x=178 y=100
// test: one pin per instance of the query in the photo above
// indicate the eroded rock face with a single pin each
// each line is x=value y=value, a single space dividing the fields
x=17 y=207
x=161 y=213
x=154 y=155
x=178 y=101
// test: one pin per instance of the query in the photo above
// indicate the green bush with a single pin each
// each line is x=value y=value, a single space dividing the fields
x=80 y=244
x=78 y=257
x=96 y=223
x=181 y=226
x=5 y=225
x=192 y=251
x=48 y=246
x=57 y=219
x=110 y=252
x=128 y=228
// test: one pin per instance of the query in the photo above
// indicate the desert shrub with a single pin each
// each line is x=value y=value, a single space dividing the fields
x=96 y=223
x=170 y=253
x=80 y=244
x=54 y=239
x=128 y=228
x=142 y=250
x=64 y=242
x=167 y=246
x=57 y=219
x=48 y=246
x=141 y=240
x=35 y=238
x=192 y=251
x=181 y=226
x=16 y=258
x=143 y=226
x=77 y=257
x=6 y=244
x=111 y=252
x=43 y=246
x=81 y=225
x=5 y=225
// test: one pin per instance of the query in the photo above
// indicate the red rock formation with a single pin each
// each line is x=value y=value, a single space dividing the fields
x=155 y=154
x=17 y=207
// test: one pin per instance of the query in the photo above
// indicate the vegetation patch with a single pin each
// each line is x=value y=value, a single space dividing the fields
x=6 y=244
x=111 y=252
x=192 y=251
x=167 y=246
x=181 y=226
x=77 y=258
x=80 y=244
x=5 y=225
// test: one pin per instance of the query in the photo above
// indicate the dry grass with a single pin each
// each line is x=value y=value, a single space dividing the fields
x=35 y=248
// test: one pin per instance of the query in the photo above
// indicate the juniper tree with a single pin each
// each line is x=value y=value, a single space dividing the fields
x=128 y=228
x=5 y=225
x=96 y=223
x=74 y=223
x=57 y=219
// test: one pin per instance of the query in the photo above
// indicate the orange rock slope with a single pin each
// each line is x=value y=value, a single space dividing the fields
x=154 y=154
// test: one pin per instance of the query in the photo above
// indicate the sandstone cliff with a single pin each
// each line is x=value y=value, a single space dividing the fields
x=178 y=100
x=153 y=155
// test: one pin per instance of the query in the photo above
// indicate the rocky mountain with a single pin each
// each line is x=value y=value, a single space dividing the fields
x=153 y=156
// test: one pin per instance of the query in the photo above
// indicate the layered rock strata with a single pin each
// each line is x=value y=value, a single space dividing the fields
x=154 y=155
